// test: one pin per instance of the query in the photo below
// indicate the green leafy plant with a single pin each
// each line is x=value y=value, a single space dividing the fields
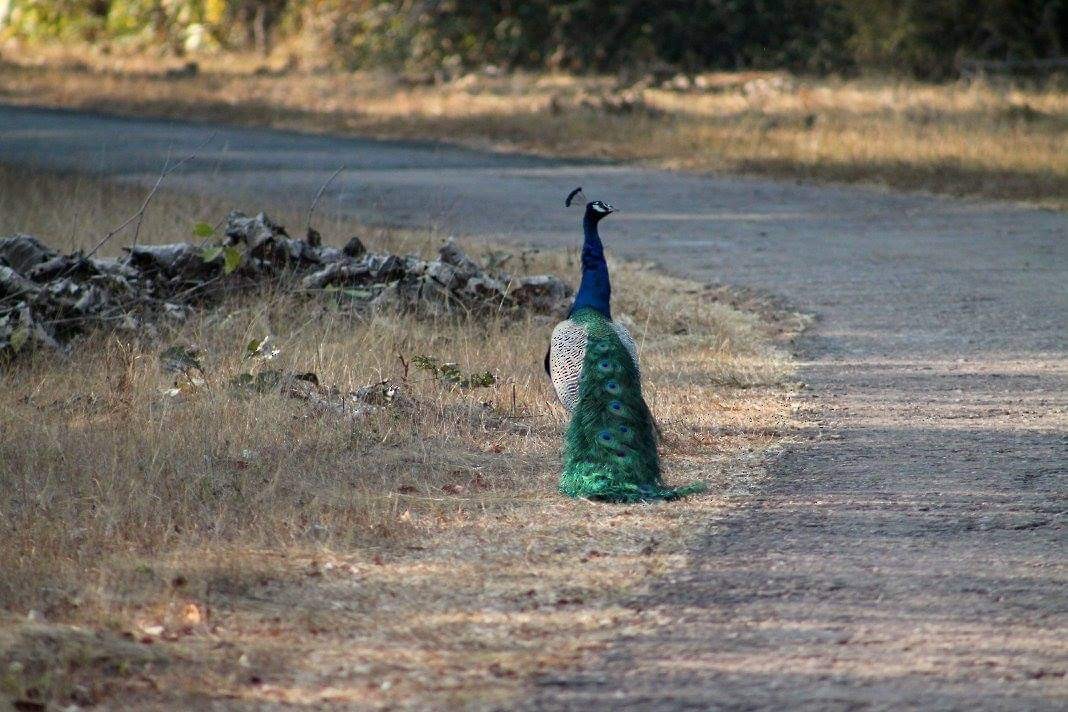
x=19 y=337
x=232 y=257
x=181 y=358
x=261 y=350
x=258 y=377
x=921 y=37
x=450 y=373
x=184 y=361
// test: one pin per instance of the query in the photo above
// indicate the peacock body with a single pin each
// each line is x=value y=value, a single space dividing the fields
x=610 y=446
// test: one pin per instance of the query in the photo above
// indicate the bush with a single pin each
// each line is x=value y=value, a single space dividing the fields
x=929 y=38
x=595 y=35
x=926 y=38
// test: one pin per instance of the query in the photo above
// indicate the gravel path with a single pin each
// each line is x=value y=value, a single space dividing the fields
x=910 y=552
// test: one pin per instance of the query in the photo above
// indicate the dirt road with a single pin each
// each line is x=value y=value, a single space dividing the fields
x=910 y=550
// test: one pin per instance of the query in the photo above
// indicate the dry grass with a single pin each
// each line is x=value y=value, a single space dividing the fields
x=977 y=139
x=163 y=552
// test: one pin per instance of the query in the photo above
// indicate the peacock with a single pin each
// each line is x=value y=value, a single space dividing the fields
x=610 y=447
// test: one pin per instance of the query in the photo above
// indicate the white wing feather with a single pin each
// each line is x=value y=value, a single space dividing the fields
x=567 y=351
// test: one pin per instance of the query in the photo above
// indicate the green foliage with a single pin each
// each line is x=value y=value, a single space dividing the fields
x=202 y=229
x=19 y=337
x=178 y=24
x=584 y=35
x=55 y=19
x=924 y=37
x=261 y=350
x=450 y=373
x=185 y=361
x=232 y=257
x=928 y=38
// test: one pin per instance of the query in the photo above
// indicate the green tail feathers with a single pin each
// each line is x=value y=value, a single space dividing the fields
x=610 y=445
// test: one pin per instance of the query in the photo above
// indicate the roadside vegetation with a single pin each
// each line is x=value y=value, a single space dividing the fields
x=168 y=538
x=913 y=38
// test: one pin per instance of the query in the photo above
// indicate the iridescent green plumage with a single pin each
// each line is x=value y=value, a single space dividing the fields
x=610 y=448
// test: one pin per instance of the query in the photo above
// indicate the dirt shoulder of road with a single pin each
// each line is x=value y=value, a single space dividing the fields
x=977 y=139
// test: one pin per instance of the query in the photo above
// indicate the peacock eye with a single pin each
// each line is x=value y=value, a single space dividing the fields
x=605 y=365
x=621 y=453
x=612 y=387
x=606 y=436
x=615 y=406
x=624 y=430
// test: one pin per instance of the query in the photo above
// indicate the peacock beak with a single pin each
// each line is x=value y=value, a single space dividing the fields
x=610 y=208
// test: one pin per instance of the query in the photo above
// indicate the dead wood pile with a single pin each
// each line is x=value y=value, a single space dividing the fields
x=47 y=298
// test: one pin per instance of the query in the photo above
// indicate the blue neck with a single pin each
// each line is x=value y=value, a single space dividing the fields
x=595 y=291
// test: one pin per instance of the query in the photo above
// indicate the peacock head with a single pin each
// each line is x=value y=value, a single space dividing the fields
x=595 y=210
x=598 y=209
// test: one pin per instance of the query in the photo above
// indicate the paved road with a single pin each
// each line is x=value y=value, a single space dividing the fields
x=911 y=555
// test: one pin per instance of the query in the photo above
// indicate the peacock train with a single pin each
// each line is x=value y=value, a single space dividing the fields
x=610 y=446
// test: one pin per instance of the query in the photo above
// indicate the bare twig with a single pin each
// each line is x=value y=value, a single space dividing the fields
x=141 y=217
x=319 y=195
x=140 y=214
x=195 y=288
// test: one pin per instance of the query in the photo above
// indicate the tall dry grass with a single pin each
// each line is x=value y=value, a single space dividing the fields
x=980 y=138
x=227 y=545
